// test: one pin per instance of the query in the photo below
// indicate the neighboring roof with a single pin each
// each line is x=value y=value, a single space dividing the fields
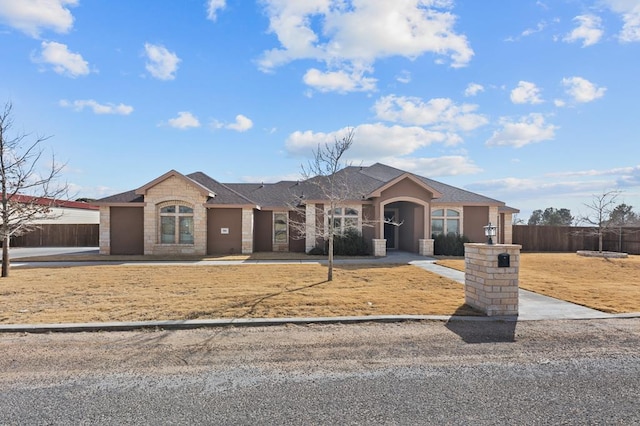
x=19 y=198
x=362 y=183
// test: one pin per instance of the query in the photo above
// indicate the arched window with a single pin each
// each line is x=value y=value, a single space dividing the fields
x=445 y=221
x=176 y=224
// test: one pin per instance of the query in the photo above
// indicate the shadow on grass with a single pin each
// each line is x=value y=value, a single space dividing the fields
x=498 y=331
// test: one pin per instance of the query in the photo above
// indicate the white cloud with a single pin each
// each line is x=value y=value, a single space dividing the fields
x=371 y=141
x=213 y=6
x=539 y=27
x=589 y=30
x=351 y=36
x=528 y=129
x=473 y=89
x=404 y=77
x=33 y=16
x=526 y=93
x=582 y=90
x=62 y=60
x=242 y=124
x=109 y=108
x=184 y=120
x=559 y=103
x=629 y=10
x=452 y=165
x=338 y=81
x=161 y=63
x=439 y=113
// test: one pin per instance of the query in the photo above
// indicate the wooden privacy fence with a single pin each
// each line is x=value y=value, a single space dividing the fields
x=59 y=235
x=574 y=238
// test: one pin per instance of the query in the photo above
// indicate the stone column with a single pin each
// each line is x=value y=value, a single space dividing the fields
x=104 y=236
x=492 y=285
x=379 y=247
x=310 y=227
x=425 y=247
x=247 y=231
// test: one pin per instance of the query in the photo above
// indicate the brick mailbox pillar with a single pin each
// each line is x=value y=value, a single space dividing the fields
x=491 y=277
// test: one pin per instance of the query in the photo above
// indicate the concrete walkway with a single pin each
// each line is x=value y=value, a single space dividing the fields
x=532 y=306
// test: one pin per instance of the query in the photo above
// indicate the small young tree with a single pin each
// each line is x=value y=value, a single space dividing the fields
x=600 y=209
x=25 y=193
x=321 y=178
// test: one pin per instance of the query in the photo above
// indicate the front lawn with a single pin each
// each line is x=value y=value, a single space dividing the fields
x=155 y=292
x=608 y=285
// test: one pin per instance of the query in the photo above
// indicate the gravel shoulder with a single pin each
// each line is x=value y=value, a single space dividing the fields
x=51 y=358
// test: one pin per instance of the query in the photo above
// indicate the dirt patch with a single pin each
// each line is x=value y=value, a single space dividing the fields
x=609 y=285
x=165 y=292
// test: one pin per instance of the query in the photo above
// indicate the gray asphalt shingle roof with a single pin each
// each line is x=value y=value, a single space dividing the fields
x=359 y=181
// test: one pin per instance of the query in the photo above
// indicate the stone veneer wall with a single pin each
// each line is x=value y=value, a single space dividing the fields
x=104 y=238
x=180 y=191
x=425 y=247
x=247 y=231
x=489 y=288
x=379 y=247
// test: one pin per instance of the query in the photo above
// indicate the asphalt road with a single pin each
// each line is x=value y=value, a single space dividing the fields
x=481 y=373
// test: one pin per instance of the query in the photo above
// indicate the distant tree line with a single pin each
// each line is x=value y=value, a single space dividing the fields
x=604 y=214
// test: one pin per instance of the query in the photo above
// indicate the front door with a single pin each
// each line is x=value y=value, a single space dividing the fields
x=391 y=230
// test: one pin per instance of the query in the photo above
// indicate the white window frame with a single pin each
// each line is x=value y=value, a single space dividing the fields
x=444 y=217
x=176 y=215
x=342 y=217
x=286 y=230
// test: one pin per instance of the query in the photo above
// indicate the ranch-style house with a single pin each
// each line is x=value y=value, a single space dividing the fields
x=196 y=215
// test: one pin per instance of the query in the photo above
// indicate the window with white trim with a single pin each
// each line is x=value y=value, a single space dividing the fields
x=280 y=228
x=176 y=224
x=344 y=218
x=445 y=221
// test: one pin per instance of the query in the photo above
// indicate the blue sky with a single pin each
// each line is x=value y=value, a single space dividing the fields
x=530 y=102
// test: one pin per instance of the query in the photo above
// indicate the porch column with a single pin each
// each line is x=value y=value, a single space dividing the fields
x=379 y=247
x=247 y=231
x=104 y=236
x=425 y=247
x=310 y=227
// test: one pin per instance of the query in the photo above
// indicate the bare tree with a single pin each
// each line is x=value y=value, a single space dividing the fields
x=26 y=194
x=600 y=209
x=323 y=182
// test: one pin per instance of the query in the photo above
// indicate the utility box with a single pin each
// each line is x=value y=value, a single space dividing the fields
x=504 y=260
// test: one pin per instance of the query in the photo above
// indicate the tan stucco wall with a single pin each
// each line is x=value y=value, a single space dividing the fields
x=231 y=221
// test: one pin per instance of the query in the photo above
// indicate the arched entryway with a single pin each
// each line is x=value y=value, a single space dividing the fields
x=406 y=222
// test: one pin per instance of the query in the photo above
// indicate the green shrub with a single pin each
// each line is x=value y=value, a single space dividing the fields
x=351 y=243
x=449 y=245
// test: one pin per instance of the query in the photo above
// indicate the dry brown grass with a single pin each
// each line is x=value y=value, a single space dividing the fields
x=609 y=285
x=143 y=292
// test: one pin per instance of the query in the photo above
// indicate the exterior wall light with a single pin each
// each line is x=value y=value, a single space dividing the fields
x=490 y=232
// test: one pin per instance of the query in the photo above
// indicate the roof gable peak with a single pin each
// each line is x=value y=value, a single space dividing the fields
x=173 y=173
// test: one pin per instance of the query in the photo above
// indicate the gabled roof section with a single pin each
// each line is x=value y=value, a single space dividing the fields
x=207 y=192
x=279 y=194
x=223 y=194
x=122 y=198
x=378 y=191
x=449 y=194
